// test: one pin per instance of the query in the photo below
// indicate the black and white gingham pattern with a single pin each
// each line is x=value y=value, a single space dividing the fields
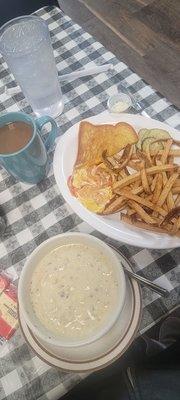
x=35 y=213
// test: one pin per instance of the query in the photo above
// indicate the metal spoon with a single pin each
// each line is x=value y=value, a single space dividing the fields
x=156 y=288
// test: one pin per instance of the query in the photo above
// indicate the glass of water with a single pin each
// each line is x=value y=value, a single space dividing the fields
x=26 y=47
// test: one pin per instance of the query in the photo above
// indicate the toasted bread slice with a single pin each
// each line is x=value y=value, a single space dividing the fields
x=94 y=139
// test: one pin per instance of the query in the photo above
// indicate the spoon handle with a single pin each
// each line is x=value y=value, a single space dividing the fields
x=156 y=288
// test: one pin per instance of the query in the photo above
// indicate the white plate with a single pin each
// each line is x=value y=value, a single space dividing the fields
x=101 y=352
x=64 y=159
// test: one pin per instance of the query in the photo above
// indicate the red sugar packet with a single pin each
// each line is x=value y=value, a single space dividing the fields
x=8 y=312
x=4 y=282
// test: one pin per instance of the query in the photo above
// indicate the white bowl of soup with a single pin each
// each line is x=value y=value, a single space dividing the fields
x=71 y=290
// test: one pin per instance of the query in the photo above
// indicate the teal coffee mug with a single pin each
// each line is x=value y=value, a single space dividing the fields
x=30 y=163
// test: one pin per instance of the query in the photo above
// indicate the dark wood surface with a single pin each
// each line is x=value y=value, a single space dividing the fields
x=10 y=9
x=145 y=34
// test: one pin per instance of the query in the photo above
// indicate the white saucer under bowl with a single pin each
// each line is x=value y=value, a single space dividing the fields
x=103 y=351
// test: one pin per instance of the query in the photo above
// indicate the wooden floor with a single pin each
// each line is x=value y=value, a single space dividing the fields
x=145 y=34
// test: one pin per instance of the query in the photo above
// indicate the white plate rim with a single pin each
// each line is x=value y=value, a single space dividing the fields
x=121 y=232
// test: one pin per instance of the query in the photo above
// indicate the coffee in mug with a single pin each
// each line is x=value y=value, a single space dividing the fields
x=14 y=136
x=23 y=149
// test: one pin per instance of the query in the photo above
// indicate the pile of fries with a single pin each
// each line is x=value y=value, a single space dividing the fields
x=147 y=186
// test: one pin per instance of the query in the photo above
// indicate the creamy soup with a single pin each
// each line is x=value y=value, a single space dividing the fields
x=73 y=290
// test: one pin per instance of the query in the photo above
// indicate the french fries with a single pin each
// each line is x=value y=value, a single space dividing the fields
x=143 y=225
x=167 y=189
x=154 y=182
x=144 y=202
x=118 y=163
x=177 y=201
x=149 y=171
x=148 y=188
x=145 y=182
x=142 y=213
x=114 y=205
x=174 y=212
x=158 y=188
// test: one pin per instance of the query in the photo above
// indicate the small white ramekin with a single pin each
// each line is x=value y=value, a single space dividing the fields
x=119 y=97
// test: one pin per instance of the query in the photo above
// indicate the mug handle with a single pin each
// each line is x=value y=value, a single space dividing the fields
x=40 y=122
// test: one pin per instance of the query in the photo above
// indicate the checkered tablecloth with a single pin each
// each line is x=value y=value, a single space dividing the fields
x=35 y=213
